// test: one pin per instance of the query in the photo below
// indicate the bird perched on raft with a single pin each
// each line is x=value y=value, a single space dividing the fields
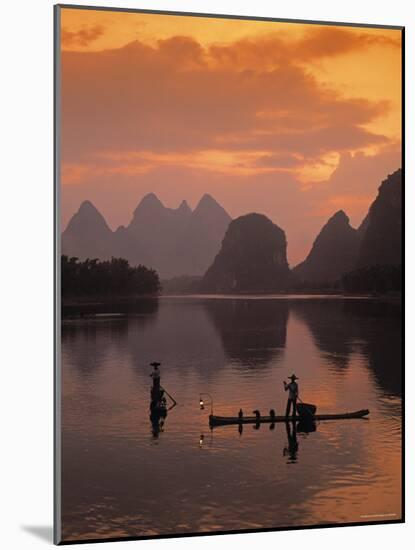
x=257 y=419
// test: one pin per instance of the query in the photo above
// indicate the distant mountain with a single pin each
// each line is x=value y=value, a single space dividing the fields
x=87 y=234
x=370 y=255
x=125 y=245
x=244 y=255
x=155 y=230
x=361 y=230
x=202 y=237
x=382 y=240
x=333 y=252
x=253 y=258
x=175 y=242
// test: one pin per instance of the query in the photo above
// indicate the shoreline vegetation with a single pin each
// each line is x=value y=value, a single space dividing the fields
x=104 y=287
x=93 y=287
x=108 y=278
x=375 y=280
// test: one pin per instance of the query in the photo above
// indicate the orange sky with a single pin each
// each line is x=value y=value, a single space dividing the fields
x=295 y=121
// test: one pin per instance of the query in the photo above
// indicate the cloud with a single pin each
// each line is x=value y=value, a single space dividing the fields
x=354 y=183
x=320 y=42
x=279 y=161
x=167 y=98
x=83 y=37
x=247 y=122
x=309 y=141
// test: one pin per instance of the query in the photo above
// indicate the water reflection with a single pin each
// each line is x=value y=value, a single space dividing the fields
x=291 y=449
x=253 y=332
x=206 y=442
x=292 y=429
x=158 y=410
x=99 y=331
x=117 y=461
x=331 y=327
x=182 y=338
x=158 y=402
x=157 y=419
x=306 y=426
x=146 y=307
x=342 y=327
x=379 y=329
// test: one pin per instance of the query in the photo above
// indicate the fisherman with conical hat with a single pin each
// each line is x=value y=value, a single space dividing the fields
x=155 y=375
x=292 y=389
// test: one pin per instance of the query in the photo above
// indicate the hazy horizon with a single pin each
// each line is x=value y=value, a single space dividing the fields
x=193 y=207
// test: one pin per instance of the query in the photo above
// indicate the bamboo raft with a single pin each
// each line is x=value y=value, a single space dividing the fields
x=230 y=420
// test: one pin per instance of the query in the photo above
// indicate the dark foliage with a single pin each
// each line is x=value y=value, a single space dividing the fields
x=377 y=278
x=316 y=286
x=113 y=277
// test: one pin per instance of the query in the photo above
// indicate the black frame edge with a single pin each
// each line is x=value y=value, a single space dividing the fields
x=57 y=532
x=224 y=16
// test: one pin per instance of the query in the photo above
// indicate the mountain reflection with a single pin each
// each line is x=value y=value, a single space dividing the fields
x=331 y=328
x=342 y=327
x=347 y=354
x=253 y=332
x=92 y=334
x=91 y=341
x=379 y=328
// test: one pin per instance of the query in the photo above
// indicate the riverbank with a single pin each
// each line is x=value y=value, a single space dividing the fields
x=81 y=307
x=391 y=297
x=84 y=306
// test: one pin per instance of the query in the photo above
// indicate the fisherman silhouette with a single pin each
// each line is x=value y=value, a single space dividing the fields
x=292 y=389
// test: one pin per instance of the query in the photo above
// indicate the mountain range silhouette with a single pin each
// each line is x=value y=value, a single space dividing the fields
x=250 y=249
x=173 y=241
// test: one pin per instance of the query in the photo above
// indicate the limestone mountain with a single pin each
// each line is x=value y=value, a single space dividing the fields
x=202 y=236
x=382 y=240
x=253 y=258
x=175 y=242
x=333 y=252
x=361 y=230
x=87 y=234
x=155 y=230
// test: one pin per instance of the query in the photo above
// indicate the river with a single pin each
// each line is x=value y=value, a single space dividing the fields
x=122 y=477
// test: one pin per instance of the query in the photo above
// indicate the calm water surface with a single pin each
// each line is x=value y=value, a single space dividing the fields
x=121 y=479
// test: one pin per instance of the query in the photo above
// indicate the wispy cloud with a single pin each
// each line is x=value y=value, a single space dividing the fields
x=249 y=121
x=82 y=37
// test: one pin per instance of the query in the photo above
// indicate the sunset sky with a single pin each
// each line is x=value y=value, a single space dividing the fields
x=294 y=121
